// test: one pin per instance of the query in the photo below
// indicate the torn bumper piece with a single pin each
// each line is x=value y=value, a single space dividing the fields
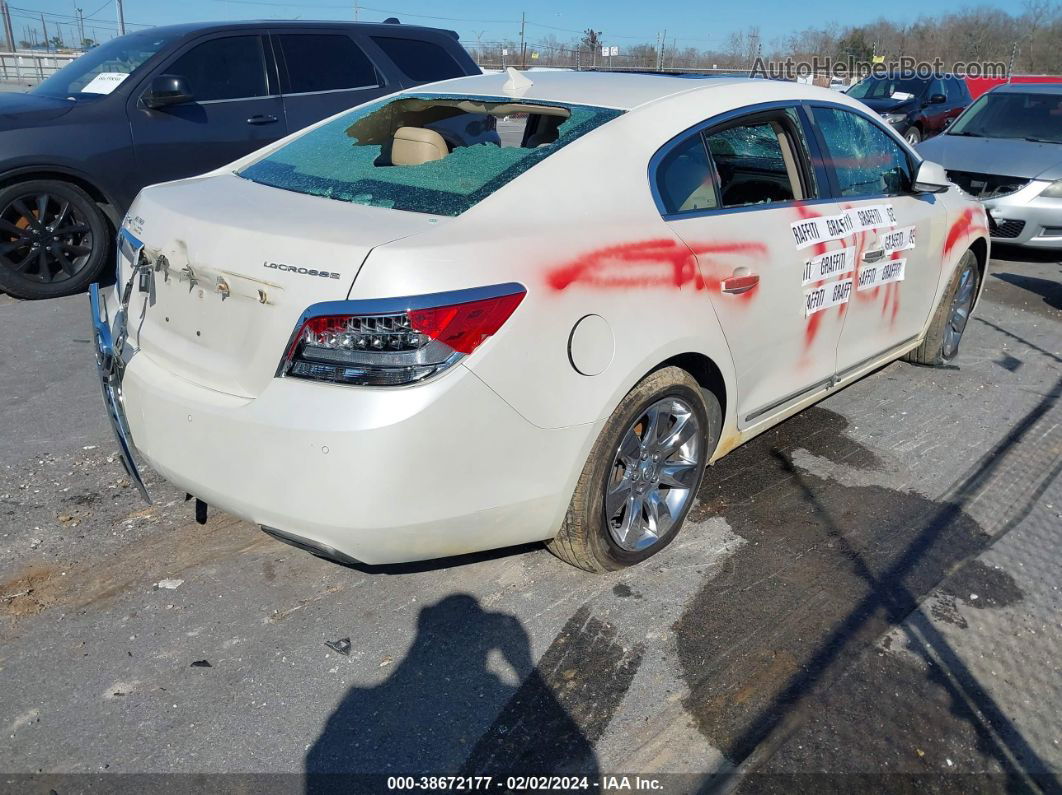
x=311 y=546
x=109 y=367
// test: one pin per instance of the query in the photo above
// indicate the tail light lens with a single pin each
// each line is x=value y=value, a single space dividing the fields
x=396 y=341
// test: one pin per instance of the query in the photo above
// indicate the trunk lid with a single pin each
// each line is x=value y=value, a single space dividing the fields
x=235 y=264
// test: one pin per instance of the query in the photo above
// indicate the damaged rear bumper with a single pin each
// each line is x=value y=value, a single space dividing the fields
x=110 y=367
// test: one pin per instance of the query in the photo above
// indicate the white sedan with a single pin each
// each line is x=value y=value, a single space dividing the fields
x=381 y=347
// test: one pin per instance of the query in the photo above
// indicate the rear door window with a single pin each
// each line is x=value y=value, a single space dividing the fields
x=228 y=68
x=751 y=161
x=324 y=62
x=420 y=60
x=761 y=159
x=685 y=179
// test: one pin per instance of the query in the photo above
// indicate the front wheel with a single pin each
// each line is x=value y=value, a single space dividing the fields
x=53 y=239
x=642 y=475
x=941 y=344
x=913 y=136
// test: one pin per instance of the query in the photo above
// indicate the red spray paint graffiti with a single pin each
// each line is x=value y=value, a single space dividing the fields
x=811 y=329
x=971 y=221
x=635 y=265
x=859 y=241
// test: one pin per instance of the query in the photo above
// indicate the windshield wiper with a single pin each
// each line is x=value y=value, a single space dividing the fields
x=970 y=134
x=1041 y=140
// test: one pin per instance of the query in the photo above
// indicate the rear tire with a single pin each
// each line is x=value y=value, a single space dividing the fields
x=652 y=477
x=941 y=344
x=54 y=239
x=913 y=136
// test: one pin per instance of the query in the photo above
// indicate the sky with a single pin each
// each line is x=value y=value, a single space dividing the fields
x=690 y=23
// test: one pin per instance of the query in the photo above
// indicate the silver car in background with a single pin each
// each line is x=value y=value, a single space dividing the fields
x=1006 y=150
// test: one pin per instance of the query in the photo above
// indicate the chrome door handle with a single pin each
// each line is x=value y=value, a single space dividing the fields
x=873 y=256
x=261 y=118
x=741 y=282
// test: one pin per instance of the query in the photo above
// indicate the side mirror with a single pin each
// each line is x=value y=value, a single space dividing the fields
x=166 y=90
x=931 y=178
x=937 y=99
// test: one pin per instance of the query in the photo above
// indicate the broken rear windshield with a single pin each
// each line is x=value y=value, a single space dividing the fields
x=429 y=154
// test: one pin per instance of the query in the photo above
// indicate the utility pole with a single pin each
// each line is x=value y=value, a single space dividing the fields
x=47 y=44
x=8 y=33
x=80 y=27
x=121 y=17
x=523 y=43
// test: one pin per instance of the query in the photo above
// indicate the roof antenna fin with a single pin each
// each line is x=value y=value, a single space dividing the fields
x=516 y=81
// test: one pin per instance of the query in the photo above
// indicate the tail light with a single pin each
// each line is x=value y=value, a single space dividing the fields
x=395 y=341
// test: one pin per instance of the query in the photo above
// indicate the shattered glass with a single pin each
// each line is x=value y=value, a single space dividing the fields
x=347 y=159
x=866 y=160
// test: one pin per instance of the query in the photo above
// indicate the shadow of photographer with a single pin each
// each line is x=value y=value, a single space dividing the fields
x=451 y=708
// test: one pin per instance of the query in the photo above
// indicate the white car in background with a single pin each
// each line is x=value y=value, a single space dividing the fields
x=381 y=349
x=1006 y=151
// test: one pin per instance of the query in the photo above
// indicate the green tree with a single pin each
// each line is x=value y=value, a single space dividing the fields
x=592 y=40
x=854 y=45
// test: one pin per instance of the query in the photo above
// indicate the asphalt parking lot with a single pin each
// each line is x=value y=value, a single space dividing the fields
x=871 y=588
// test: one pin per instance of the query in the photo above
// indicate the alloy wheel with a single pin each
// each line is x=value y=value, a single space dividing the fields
x=961 y=304
x=44 y=238
x=653 y=472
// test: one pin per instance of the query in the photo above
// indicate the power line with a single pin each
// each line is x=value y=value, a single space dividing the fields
x=71 y=18
x=105 y=5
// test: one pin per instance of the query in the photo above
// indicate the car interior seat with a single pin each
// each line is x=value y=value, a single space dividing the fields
x=415 y=145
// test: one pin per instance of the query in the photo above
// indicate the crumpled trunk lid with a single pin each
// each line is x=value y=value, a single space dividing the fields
x=234 y=264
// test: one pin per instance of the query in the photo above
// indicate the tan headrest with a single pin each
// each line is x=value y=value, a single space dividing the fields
x=415 y=145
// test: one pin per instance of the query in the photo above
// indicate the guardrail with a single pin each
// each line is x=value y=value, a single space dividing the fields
x=31 y=65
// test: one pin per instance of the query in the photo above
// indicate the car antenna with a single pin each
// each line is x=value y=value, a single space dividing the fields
x=516 y=81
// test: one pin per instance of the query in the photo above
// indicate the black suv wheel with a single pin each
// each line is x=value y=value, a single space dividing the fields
x=54 y=240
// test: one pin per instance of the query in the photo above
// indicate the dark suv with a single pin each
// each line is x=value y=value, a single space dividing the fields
x=171 y=102
x=916 y=107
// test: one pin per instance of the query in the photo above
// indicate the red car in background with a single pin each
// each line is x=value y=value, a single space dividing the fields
x=982 y=85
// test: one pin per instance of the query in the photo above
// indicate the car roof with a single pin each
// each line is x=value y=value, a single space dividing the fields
x=622 y=91
x=390 y=28
x=1028 y=88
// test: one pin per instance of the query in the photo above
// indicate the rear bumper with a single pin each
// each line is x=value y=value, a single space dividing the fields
x=379 y=475
x=1025 y=218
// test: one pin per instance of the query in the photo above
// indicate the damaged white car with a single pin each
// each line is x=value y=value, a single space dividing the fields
x=385 y=346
